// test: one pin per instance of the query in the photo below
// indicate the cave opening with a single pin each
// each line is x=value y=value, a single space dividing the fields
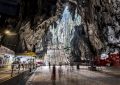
x=82 y=28
x=63 y=37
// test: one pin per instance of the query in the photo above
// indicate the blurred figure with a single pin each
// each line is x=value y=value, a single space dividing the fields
x=71 y=67
x=22 y=65
x=25 y=65
x=12 y=67
x=60 y=72
x=49 y=64
x=78 y=66
x=18 y=67
x=30 y=67
x=53 y=77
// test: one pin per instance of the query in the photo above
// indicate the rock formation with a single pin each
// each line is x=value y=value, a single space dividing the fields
x=100 y=20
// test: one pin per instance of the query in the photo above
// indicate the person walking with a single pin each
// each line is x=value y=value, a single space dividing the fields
x=49 y=64
x=53 y=77
x=19 y=65
x=54 y=73
x=12 y=69
x=22 y=66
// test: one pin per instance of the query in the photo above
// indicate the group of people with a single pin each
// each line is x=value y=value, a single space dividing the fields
x=16 y=65
x=54 y=72
x=60 y=70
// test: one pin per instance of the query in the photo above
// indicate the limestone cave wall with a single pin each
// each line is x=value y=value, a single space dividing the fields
x=100 y=19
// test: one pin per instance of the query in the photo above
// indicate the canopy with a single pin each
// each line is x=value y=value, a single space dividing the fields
x=5 y=50
x=32 y=54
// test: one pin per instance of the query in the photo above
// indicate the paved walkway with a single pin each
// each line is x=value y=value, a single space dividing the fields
x=5 y=73
x=113 y=71
x=70 y=76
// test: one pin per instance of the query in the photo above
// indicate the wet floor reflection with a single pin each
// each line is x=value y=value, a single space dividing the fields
x=69 y=75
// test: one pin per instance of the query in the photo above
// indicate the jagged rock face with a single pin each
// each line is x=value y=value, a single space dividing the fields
x=35 y=26
x=100 y=21
x=101 y=24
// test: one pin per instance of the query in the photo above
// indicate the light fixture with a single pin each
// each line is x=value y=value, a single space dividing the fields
x=7 y=32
